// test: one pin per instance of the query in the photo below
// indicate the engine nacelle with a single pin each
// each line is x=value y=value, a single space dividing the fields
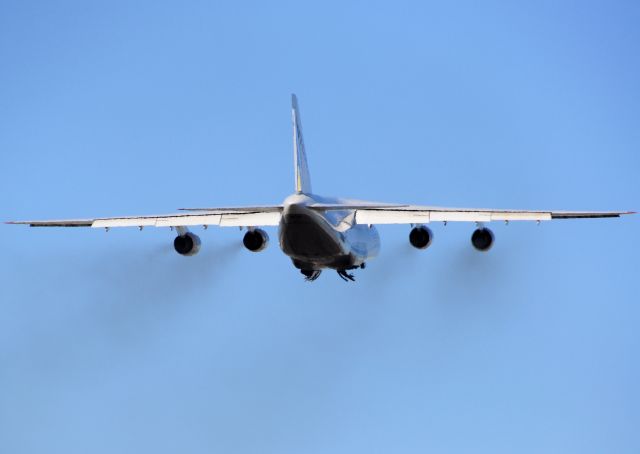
x=187 y=244
x=482 y=239
x=256 y=240
x=421 y=237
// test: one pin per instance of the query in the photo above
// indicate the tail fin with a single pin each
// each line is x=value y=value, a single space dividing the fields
x=303 y=180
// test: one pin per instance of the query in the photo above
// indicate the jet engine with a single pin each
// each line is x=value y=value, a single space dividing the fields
x=421 y=237
x=187 y=244
x=482 y=239
x=256 y=240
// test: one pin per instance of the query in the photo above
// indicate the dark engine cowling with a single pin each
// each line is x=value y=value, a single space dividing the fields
x=421 y=237
x=482 y=239
x=256 y=240
x=187 y=244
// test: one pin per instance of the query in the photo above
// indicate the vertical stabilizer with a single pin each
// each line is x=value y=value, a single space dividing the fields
x=303 y=180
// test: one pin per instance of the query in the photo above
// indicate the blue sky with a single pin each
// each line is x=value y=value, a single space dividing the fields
x=113 y=343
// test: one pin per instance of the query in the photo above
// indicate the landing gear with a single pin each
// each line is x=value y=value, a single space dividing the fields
x=311 y=275
x=346 y=276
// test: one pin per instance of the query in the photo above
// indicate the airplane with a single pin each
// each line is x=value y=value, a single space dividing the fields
x=318 y=232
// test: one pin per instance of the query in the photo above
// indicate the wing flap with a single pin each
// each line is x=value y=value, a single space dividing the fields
x=182 y=221
x=250 y=219
x=124 y=222
x=520 y=216
x=391 y=217
x=460 y=216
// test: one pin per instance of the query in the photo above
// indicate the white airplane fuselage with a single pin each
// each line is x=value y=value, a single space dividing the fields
x=316 y=239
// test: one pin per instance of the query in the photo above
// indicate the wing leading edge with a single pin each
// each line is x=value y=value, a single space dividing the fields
x=223 y=217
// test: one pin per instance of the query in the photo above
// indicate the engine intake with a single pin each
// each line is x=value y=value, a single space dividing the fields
x=482 y=239
x=256 y=240
x=187 y=244
x=421 y=237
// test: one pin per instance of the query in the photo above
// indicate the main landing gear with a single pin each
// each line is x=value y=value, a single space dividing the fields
x=311 y=275
x=346 y=276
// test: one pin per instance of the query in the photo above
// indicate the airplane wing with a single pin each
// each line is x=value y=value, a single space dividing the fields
x=223 y=217
x=416 y=214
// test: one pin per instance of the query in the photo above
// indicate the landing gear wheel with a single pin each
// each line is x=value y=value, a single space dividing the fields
x=311 y=275
x=346 y=276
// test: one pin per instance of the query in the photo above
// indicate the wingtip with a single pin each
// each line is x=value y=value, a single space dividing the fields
x=18 y=223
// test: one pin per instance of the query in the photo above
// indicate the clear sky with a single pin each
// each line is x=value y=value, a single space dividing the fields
x=114 y=343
